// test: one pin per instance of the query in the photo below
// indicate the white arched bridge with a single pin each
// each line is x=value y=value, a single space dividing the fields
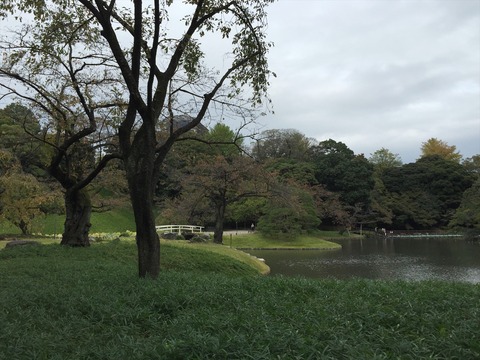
x=180 y=228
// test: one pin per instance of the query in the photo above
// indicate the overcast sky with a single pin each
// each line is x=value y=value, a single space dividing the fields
x=377 y=73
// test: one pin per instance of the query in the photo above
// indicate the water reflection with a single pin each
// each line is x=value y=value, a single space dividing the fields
x=407 y=259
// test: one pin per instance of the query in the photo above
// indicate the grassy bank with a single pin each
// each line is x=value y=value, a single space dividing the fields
x=62 y=303
x=180 y=247
x=175 y=255
x=257 y=241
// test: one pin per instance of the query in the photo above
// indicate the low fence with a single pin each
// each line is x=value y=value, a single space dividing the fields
x=414 y=233
x=179 y=228
x=423 y=235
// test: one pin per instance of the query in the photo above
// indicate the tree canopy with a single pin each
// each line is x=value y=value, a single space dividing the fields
x=342 y=171
x=434 y=146
x=384 y=159
x=280 y=143
x=428 y=191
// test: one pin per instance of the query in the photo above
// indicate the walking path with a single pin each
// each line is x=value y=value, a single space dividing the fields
x=232 y=232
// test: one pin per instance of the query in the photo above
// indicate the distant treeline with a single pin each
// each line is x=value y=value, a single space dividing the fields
x=282 y=182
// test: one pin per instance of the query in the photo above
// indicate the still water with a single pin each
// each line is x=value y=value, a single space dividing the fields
x=406 y=259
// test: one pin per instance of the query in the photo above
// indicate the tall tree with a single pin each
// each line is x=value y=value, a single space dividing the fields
x=216 y=177
x=296 y=203
x=282 y=144
x=221 y=140
x=22 y=196
x=301 y=172
x=65 y=149
x=209 y=175
x=290 y=210
x=467 y=215
x=55 y=64
x=472 y=165
x=340 y=170
x=16 y=121
x=221 y=182
x=434 y=146
x=426 y=193
x=384 y=159
x=162 y=74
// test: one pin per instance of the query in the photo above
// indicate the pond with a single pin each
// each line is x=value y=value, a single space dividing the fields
x=382 y=258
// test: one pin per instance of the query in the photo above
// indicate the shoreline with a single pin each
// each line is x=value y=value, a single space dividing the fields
x=289 y=248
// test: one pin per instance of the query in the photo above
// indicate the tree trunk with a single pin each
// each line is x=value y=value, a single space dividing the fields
x=23 y=226
x=219 y=220
x=148 y=242
x=142 y=187
x=77 y=222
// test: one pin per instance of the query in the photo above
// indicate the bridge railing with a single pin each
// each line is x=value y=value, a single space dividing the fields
x=180 y=228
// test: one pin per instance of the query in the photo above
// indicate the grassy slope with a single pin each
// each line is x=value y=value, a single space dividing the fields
x=176 y=255
x=117 y=220
x=241 y=256
x=63 y=303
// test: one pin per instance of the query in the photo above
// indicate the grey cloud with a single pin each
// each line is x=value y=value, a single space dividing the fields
x=407 y=70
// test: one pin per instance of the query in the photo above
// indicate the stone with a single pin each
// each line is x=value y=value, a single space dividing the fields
x=14 y=243
x=169 y=236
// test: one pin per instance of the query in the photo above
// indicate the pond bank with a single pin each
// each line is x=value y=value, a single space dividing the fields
x=290 y=248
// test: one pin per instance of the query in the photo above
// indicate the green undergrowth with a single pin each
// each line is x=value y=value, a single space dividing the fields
x=63 y=303
x=257 y=241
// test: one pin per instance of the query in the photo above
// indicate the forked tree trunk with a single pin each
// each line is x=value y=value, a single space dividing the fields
x=77 y=225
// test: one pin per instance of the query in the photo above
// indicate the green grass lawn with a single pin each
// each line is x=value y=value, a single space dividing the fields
x=87 y=303
x=117 y=220
x=257 y=241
